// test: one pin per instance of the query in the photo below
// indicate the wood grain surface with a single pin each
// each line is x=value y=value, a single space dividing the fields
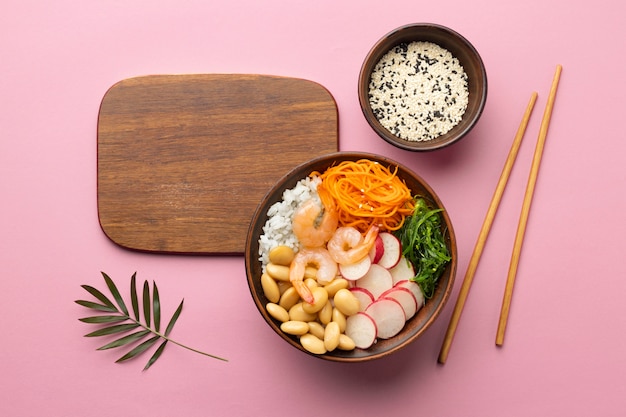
x=184 y=160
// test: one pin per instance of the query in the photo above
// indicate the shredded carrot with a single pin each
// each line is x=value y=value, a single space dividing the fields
x=366 y=193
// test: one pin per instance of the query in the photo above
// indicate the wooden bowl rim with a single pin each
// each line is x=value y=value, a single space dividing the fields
x=415 y=327
x=461 y=48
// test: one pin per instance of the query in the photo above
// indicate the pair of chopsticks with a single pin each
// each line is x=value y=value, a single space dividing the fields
x=491 y=212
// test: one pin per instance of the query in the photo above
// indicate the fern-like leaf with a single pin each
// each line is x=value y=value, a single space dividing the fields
x=172 y=322
x=115 y=293
x=156 y=307
x=96 y=306
x=122 y=341
x=118 y=328
x=133 y=296
x=146 y=303
x=156 y=355
x=139 y=349
x=103 y=319
x=96 y=293
x=116 y=320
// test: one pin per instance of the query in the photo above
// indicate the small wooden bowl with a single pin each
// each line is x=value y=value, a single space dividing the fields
x=461 y=49
x=417 y=325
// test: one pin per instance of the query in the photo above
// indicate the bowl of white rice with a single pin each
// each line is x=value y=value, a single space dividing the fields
x=422 y=87
x=272 y=226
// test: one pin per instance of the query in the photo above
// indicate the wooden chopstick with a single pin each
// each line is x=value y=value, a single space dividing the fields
x=484 y=231
x=528 y=196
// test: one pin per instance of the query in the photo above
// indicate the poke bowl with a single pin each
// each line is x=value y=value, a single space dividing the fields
x=422 y=87
x=306 y=292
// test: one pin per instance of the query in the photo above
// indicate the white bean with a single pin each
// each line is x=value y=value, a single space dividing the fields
x=270 y=288
x=346 y=302
x=277 y=312
x=297 y=328
x=313 y=344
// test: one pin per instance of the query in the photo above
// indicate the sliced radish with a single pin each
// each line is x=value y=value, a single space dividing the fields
x=377 y=250
x=388 y=316
x=406 y=299
x=402 y=271
x=377 y=280
x=392 y=250
x=361 y=328
x=364 y=296
x=356 y=270
x=415 y=289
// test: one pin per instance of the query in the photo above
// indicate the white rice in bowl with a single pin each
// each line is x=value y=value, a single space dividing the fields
x=278 y=227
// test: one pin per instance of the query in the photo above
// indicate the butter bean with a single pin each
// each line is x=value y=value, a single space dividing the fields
x=310 y=282
x=289 y=298
x=281 y=255
x=282 y=286
x=346 y=302
x=316 y=329
x=325 y=315
x=345 y=342
x=310 y=272
x=297 y=328
x=320 y=298
x=331 y=336
x=270 y=288
x=277 y=312
x=312 y=344
x=298 y=314
x=340 y=319
x=278 y=272
x=335 y=285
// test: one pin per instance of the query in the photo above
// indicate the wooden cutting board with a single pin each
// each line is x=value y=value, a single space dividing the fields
x=184 y=160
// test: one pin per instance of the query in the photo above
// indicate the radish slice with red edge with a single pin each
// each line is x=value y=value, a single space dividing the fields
x=415 y=289
x=392 y=250
x=406 y=299
x=376 y=281
x=356 y=270
x=377 y=250
x=364 y=296
x=402 y=271
x=388 y=316
x=361 y=328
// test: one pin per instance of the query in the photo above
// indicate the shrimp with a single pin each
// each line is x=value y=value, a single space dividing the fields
x=327 y=269
x=312 y=227
x=348 y=246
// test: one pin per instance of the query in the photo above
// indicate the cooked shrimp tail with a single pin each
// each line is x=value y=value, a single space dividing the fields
x=314 y=223
x=319 y=257
x=304 y=291
x=347 y=245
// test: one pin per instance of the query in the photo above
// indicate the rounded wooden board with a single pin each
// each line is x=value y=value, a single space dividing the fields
x=184 y=160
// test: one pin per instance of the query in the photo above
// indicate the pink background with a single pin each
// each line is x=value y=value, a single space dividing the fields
x=564 y=349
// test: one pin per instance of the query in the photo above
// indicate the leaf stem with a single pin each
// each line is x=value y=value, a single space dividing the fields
x=162 y=336
x=116 y=314
x=193 y=350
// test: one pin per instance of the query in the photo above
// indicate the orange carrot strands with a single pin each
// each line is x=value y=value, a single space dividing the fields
x=366 y=193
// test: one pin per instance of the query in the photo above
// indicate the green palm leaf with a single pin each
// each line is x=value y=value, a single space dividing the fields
x=118 y=328
x=133 y=296
x=117 y=320
x=139 y=349
x=116 y=293
x=172 y=322
x=131 y=338
x=103 y=319
x=156 y=307
x=96 y=293
x=146 y=303
x=96 y=306
x=157 y=355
